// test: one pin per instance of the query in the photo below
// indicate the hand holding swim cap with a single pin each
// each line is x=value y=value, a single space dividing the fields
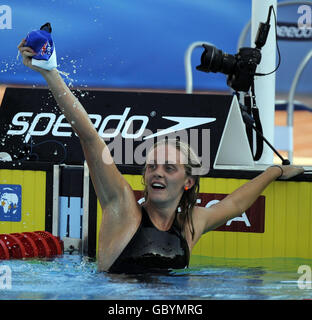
x=39 y=49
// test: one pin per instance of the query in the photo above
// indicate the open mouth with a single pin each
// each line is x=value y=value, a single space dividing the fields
x=158 y=186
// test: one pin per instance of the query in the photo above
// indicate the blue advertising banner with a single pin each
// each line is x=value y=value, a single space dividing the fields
x=141 y=43
x=122 y=43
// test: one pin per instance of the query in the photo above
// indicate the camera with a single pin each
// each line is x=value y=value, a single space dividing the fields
x=240 y=68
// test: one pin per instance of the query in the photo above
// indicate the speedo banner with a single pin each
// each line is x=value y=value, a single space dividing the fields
x=33 y=128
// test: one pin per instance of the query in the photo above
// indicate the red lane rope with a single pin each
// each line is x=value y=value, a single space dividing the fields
x=14 y=245
x=29 y=245
x=43 y=247
x=52 y=241
x=4 y=252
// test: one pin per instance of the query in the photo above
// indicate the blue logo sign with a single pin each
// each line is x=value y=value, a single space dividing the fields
x=10 y=202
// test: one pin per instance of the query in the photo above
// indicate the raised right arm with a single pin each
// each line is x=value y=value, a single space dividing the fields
x=108 y=182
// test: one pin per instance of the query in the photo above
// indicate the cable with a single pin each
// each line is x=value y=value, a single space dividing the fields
x=284 y=161
x=277 y=47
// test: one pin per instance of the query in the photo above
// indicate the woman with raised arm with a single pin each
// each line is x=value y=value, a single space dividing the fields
x=160 y=234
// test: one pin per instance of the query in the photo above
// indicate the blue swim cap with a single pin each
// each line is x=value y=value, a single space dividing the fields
x=41 y=42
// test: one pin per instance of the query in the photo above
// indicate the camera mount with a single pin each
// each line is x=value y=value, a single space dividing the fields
x=241 y=70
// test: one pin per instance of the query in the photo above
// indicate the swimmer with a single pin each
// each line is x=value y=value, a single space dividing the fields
x=160 y=233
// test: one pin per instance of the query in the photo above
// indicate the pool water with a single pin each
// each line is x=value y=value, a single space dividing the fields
x=72 y=277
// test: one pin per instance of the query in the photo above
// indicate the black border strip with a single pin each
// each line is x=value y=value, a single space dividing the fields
x=49 y=200
x=29 y=165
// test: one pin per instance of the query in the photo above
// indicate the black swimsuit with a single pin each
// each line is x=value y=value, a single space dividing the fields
x=153 y=250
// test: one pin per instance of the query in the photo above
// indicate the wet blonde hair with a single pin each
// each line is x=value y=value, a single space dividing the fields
x=189 y=197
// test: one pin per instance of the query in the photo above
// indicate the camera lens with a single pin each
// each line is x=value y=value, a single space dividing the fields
x=214 y=60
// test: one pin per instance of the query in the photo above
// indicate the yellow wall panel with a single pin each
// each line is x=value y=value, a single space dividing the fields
x=230 y=244
x=304 y=219
x=33 y=184
x=268 y=235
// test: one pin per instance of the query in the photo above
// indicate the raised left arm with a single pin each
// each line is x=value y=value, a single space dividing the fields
x=207 y=219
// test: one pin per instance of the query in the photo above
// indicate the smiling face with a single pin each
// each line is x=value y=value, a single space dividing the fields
x=165 y=176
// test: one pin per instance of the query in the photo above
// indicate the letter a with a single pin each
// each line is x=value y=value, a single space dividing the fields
x=243 y=218
x=304 y=21
x=304 y=281
x=5 y=17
